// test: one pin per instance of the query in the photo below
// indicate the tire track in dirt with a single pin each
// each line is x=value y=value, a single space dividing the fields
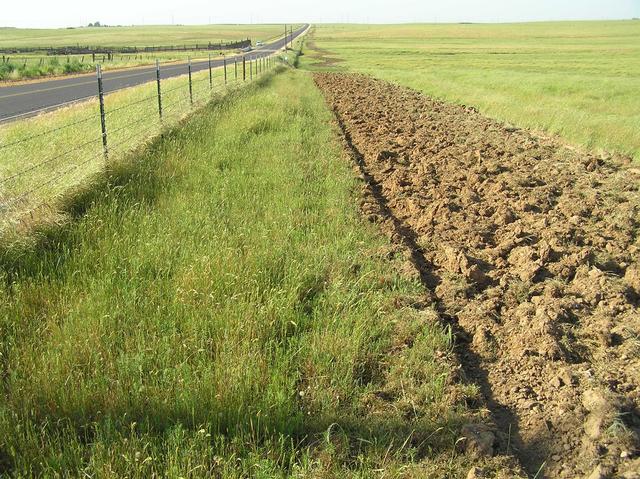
x=530 y=250
x=324 y=58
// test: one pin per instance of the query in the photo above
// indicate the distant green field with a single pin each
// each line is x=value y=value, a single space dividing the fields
x=577 y=79
x=135 y=35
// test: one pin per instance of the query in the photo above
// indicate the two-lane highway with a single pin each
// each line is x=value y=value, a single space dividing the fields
x=19 y=101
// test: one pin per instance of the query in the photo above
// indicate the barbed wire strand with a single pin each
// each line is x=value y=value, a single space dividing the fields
x=66 y=171
x=49 y=181
x=44 y=133
x=48 y=160
x=129 y=105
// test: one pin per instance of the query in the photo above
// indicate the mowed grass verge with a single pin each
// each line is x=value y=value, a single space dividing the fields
x=220 y=309
x=575 y=79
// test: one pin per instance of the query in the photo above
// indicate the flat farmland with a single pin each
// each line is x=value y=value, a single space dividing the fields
x=576 y=79
x=404 y=251
x=135 y=35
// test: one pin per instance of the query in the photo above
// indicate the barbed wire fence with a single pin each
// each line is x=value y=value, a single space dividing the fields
x=46 y=156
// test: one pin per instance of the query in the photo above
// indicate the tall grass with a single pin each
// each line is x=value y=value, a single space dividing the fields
x=220 y=310
x=14 y=70
x=576 y=79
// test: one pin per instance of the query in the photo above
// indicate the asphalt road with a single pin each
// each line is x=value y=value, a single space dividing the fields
x=20 y=101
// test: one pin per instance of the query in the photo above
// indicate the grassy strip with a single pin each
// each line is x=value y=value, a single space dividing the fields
x=221 y=310
x=13 y=70
x=576 y=79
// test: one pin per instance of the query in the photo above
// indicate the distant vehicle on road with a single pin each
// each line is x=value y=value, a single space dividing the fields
x=246 y=49
x=259 y=43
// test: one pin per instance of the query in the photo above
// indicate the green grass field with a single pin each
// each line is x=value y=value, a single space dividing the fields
x=221 y=310
x=577 y=79
x=139 y=36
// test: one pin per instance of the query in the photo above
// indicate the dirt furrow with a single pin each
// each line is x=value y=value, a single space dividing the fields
x=531 y=250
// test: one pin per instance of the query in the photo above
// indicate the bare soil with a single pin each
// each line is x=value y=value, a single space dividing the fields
x=324 y=57
x=530 y=249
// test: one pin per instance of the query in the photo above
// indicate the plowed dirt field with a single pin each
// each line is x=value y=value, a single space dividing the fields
x=530 y=250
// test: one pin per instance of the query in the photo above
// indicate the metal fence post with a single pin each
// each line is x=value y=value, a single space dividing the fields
x=224 y=62
x=210 y=73
x=159 y=90
x=244 y=68
x=190 y=84
x=235 y=67
x=103 y=121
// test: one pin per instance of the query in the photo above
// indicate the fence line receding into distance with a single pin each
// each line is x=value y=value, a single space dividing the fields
x=43 y=157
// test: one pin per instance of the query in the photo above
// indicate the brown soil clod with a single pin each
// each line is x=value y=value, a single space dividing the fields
x=530 y=249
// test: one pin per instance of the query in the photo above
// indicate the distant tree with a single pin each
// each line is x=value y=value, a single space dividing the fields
x=97 y=24
x=90 y=25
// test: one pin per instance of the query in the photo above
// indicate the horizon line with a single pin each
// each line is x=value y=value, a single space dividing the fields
x=408 y=22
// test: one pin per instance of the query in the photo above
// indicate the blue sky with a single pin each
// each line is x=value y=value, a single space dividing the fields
x=60 y=13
